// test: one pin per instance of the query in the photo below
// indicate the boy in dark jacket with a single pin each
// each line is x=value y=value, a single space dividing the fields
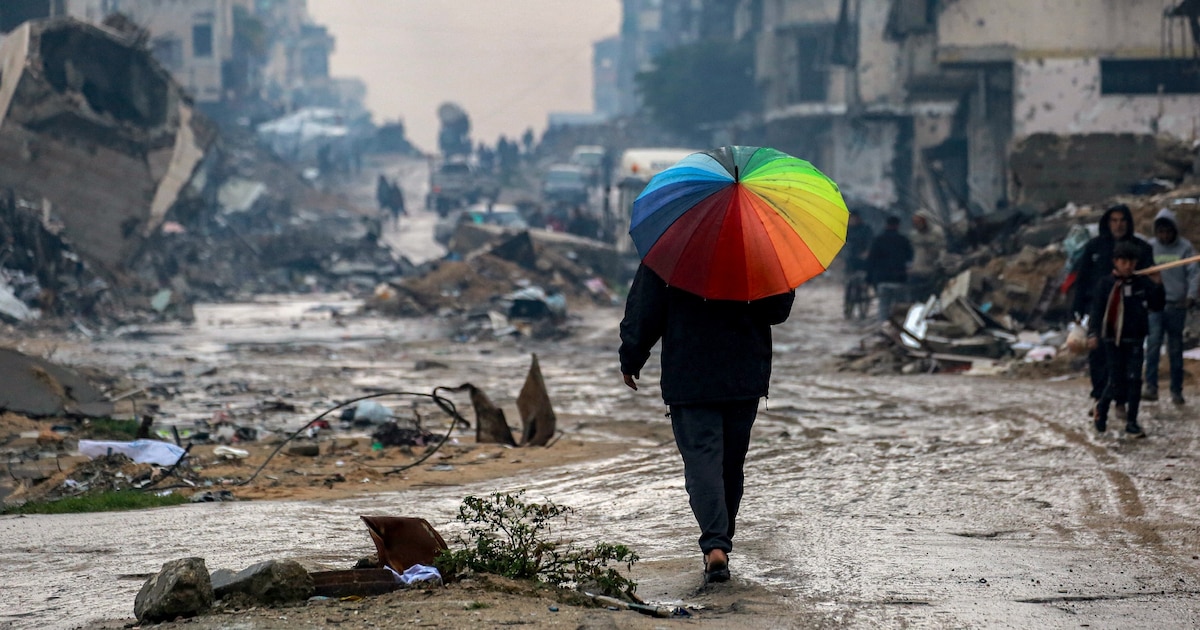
x=1094 y=263
x=716 y=364
x=1119 y=321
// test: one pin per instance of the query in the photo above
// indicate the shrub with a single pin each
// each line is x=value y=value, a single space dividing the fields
x=508 y=537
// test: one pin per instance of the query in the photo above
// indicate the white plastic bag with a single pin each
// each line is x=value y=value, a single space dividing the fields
x=140 y=451
x=1077 y=337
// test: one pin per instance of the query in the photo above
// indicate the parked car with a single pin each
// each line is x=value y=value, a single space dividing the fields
x=565 y=184
x=502 y=214
x=590 y=158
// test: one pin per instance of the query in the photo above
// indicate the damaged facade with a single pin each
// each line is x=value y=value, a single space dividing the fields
x=96 y=134
x=971 y=105
x=118 y=191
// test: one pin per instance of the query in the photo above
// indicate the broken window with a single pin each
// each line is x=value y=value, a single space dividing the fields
x=202 y=40
x=910 y=17
x=813 y=45
x=114 y=79
x=1149 y=76
x=15 y=12
x=168 y=51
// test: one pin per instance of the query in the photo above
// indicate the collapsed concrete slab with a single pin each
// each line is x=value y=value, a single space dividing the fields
x=96 y=129
x=38 y=388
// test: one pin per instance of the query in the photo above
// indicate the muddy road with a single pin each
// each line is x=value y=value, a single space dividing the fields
x=926 y=500
x=872 y=501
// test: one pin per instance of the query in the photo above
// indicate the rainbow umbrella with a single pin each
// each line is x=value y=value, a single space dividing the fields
x=739 y=223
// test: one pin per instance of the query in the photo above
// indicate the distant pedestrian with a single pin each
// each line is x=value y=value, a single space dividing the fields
x=929 y=245
x=383 y=192
x=396 y=200
x=1117 y=327
x=887 y=266
x=1095 y=263
x=1181 y=286
x=716 y=365
x=858 y=243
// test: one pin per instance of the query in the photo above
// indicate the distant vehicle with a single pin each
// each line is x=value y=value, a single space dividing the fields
x=502 y=214
x=451 y=185
x=565 y=184
x=633 y=172
x=590 y=158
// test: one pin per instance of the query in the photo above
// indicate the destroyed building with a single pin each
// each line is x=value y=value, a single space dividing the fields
x=115 y=185
x=961 y=107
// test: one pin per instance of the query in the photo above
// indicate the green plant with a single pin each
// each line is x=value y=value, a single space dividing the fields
x=506 y=536
x=113 y=501
x=111 y=429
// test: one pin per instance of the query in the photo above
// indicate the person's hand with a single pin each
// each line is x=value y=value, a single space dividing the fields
x=631 y=381
x=1092 y=343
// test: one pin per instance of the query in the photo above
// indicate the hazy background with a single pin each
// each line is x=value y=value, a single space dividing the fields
x=507 y=62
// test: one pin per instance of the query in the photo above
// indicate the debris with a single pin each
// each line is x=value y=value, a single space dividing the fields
x=211 y=496
x=140 y=451
x=403 y=541
x=538 y=421
x=228 y=452
x=490 y=425
x=38 y=388
x=417 y=573
x=361 y=582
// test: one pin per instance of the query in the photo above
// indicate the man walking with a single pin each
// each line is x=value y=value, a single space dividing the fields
x=716 y=364
x=929 y=244
x=1181 y=285
x=1094 y=264
x=887 y=266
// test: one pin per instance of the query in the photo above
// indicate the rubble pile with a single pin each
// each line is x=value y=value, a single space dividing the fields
x=119 y=201
x=510 y=284
x=1005 y=305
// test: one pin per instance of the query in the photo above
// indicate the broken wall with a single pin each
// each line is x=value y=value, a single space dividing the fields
x=1050 y=170
x=95 y=129
x=1063 y=96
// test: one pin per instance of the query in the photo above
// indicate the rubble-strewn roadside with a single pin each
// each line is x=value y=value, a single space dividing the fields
x=1004 y=306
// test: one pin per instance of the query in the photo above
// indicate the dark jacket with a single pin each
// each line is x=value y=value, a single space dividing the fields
x=1096 y=260
x=858 y=243
x=712 y=350
x=1143 y=296
x=888 y=260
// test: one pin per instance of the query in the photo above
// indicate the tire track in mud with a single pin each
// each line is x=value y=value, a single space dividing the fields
x=1121 y=485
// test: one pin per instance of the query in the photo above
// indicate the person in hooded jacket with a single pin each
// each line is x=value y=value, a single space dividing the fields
x=1094 y=264
x=1181 y=285
x=1118 y=324
x=928 y=244
x=716 y=365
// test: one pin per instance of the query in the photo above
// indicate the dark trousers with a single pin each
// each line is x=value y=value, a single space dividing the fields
x=1098 y=371
x=713 y=440
x=1170 y=324
x=1124 y=376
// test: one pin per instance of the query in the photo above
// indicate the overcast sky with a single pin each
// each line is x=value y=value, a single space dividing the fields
x=507 y=62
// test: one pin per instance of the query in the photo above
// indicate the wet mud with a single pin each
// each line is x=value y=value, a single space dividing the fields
x=941 y=501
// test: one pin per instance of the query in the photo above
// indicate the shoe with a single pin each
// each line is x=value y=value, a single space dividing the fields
x=1177 y=398
x=1101 y=424
x=1134 y=430
x=716 y=569
x=1150 y=394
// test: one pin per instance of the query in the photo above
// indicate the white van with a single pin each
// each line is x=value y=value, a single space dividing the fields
x=632 y=174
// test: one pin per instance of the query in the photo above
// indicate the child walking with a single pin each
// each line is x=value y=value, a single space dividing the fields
x=1118 y=324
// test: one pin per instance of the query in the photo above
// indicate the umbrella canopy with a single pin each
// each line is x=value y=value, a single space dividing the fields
x=739 y=223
